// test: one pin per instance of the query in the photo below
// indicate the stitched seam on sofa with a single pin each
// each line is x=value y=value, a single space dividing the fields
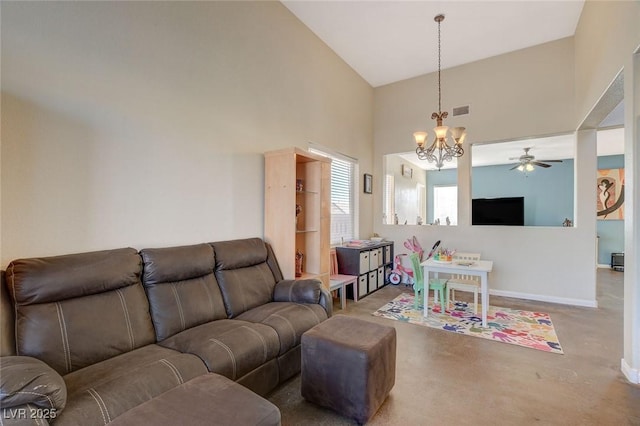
x=244 y=299
x=231 y=355
x=179 y=303
x=291 y=291
x=65 y=337
x=264 y=342
x=47 y=397
x=15 y=307
x=96 y=396
x=293 y=330
x=209 y=296
x=265 y=278
x=312 y=311
x=173 y=369
x=126 y=318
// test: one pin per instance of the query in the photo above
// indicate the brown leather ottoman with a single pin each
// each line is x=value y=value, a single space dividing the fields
x=349 y=365
x=209 y=399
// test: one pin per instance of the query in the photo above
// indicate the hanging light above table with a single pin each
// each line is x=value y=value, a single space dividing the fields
x=441 y=149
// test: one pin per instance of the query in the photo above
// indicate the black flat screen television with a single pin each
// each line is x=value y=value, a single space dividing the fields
x=507 y=211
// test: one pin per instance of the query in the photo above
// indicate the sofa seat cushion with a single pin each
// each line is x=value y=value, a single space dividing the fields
x=288 y=319
x=231 y=348
x=100 y=392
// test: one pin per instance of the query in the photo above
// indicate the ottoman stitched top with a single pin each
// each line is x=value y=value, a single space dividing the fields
x=349 y=331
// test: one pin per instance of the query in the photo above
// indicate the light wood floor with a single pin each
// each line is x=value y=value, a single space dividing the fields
x=444 y=378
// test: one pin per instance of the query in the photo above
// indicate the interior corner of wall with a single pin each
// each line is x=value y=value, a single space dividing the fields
x=632 y=374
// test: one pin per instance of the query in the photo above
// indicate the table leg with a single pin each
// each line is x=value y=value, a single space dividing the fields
x=343 y=296
x=485 y=297
x=425 y=291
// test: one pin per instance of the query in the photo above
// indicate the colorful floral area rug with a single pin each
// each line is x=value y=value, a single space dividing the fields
x=524 y=328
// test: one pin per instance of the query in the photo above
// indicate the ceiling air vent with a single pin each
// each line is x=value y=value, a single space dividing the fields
x=463 y=110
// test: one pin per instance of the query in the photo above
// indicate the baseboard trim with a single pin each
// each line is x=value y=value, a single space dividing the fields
x=632 y=374
x=542 y=298
x=604 y=266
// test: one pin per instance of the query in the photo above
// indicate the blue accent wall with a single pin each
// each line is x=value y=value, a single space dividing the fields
x=548 y=193
x=611 y=232
x=548 y=196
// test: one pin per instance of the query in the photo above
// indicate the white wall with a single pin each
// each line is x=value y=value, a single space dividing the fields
x=606 y=37
x=521 y=94
x=143 y=123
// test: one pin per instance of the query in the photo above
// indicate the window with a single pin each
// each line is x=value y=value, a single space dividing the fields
x=344 y=181
x=389 y=200
x=445 y=204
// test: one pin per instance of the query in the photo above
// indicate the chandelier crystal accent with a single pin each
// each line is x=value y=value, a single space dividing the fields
x=441 y=149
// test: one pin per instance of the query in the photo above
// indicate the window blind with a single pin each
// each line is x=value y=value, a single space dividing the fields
x=343 y=205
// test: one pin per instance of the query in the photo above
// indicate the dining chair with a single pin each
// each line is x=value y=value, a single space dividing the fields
x=438 y=285
x=464 y=282
x=340 y=282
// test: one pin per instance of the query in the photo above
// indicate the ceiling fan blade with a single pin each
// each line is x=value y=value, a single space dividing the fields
x=537 y=163
x=551 y=161
x=514 y=158
x=515 y=167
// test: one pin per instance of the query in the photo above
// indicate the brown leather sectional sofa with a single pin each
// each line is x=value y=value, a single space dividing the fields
x=87 y=337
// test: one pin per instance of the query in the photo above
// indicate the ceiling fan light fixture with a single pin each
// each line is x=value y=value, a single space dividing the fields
x=529 y=167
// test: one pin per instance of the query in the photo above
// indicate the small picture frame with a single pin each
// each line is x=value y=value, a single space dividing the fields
x=368 y=183
x=407 y=171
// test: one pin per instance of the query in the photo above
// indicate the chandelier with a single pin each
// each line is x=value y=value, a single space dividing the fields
x=441 y=149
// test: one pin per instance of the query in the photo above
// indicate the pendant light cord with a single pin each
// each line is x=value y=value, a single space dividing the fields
x=439 y=89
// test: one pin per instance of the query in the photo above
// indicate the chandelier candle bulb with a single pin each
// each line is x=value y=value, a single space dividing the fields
x=420 y=137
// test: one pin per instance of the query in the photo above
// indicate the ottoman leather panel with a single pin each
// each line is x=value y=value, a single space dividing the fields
x=348 y=365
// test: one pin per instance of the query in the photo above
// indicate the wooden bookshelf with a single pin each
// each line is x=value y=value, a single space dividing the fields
x=311 y=234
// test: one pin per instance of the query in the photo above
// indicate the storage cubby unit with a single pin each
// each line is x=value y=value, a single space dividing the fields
x=371 y=264
x=294 y=177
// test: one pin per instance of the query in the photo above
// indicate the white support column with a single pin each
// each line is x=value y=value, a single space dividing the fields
x=631 y=361
x=584 y=212
x=464 y=187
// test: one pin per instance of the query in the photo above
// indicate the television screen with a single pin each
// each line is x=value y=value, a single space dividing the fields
x=498 y=211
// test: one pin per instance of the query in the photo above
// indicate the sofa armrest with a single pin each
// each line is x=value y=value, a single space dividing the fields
x=31 y=384
x=303 y=291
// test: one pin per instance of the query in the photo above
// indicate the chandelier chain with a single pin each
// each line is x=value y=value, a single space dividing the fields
x=439 y=89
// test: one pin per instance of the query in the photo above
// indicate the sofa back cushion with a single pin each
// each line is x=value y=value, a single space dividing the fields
x=181 y=287
x=76 y=310
x=244 y=275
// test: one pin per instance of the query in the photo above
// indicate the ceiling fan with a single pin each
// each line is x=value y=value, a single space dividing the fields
x=528 y=161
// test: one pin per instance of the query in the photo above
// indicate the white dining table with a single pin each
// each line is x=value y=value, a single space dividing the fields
x=479 y=268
